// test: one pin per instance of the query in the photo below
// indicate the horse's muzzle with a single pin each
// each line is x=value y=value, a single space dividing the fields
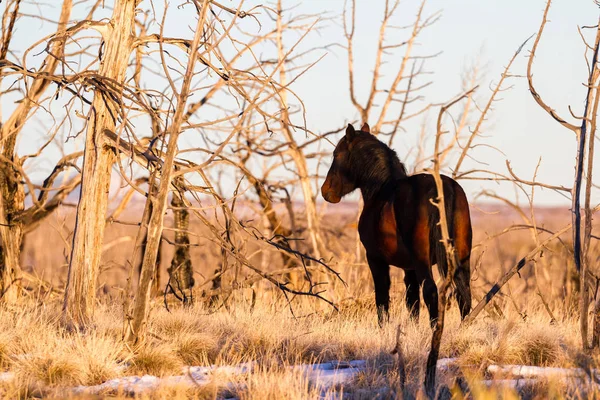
x=329 y=194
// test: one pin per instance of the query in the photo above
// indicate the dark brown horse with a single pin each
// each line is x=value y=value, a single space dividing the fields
x=399 y=224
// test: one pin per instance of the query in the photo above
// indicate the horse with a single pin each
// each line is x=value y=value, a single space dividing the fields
x=399 y=224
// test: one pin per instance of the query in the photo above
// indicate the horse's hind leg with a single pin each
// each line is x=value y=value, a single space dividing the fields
x=463 y=237
x=462 y=281
x=381 y=278
x=412 y=293
x=430 y=292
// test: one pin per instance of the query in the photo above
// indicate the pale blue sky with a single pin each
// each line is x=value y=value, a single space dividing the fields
x=492 y=29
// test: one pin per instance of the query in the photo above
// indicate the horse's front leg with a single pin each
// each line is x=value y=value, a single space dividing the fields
x=381 y=278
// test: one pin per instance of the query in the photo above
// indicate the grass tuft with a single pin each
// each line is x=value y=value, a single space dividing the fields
x=158 y=360
x=196 y=348
x=51 y=370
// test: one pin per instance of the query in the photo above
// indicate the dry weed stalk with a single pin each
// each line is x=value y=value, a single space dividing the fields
x=452 y=262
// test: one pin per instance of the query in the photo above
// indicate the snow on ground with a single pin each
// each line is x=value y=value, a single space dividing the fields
x=192 y=376
x=332 y=373
x=322 y=375
x=326 y=375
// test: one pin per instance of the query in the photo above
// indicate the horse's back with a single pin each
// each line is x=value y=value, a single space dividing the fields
x=417 y=216
x=398 y=228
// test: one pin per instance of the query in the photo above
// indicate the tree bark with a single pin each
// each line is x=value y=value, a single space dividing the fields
x=181 y=272
x=98 y=158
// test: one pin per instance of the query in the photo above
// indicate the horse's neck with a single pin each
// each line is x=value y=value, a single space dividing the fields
x=383 y=193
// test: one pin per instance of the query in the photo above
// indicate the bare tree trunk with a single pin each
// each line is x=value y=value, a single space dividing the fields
x=141 y=242
x=181 y=272
x=137 y=330
x=97 y=164
x=590 y=122
x=581 y=131
x=156 y=278
x=587 y=127
x=580 y=264
x=12 y=201
x=12 y=193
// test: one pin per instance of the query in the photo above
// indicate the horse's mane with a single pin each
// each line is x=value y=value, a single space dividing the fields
x=374 y=165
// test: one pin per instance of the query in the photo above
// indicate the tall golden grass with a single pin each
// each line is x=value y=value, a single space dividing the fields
x=262 y=327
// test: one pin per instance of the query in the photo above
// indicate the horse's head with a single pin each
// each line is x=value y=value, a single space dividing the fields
x=339 y=181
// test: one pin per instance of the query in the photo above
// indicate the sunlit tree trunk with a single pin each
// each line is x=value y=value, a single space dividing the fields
x=97 y=164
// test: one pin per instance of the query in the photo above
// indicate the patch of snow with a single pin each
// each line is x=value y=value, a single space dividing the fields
x=192 y=376
x=330 y=374
x=516 y=384
x=446 y=363
x=127 y=384
x=527 y=371
x=326 y=375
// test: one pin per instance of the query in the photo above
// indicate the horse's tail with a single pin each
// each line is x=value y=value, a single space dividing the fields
x=459 y=229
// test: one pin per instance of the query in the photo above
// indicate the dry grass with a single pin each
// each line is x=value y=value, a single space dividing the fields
x=158 y=360
x=273 y=383
x=42 y=355
x=516 y=329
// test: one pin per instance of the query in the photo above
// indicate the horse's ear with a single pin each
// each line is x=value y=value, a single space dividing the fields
x=366 y=128
x=350 y=133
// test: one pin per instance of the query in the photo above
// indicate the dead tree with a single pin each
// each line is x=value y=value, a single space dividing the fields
x=137 y=330
x=584 y=133
x=390 y=104
x=14 y=217
x=275 y=141
x=98 y=160
x=174 y=166
x=588 y=132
